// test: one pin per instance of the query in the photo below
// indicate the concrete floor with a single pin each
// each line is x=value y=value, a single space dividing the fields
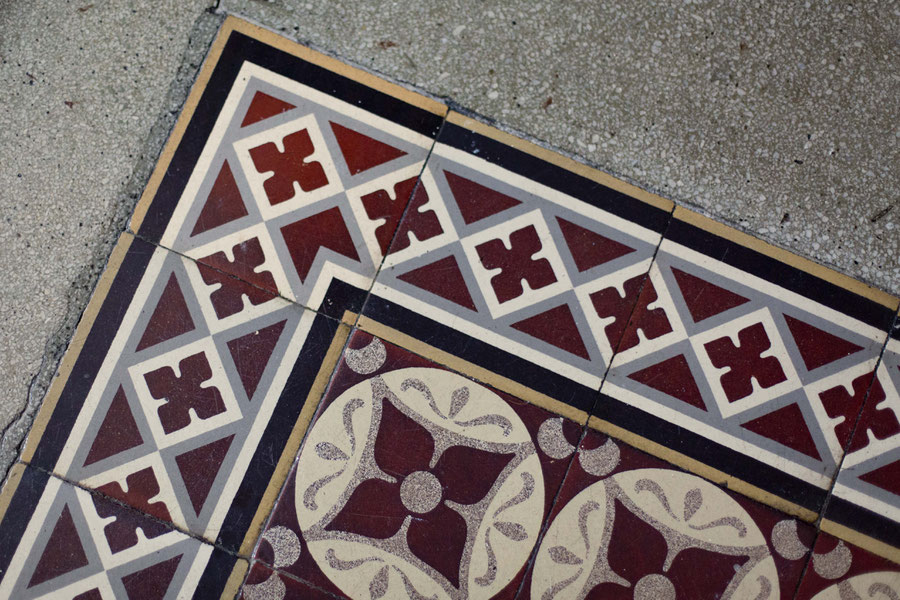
x=781 y=120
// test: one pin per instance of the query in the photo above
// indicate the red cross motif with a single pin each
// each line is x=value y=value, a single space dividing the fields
x=424 y=225
x=745 y=362
x=516 y=264
x=608 y=303
x=238 y=278
x=185 y=392
x=122 y=532
x=288 y=167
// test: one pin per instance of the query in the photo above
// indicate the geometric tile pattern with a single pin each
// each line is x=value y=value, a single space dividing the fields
x=379 y=350
x=867 y=490
x=445 y=498
x=535 y=271
x=294 y=187
x=841 y=570
x=639 y=529
x=178 y=408
x=744 y=362
x=97 y=548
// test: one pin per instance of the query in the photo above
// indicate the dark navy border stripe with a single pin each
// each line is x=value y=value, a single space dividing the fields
x=18 y=513
x=284 y=417
x=238 y=49
x=485 y=355
x=215 y=576
x=782 y=274
x=555 y=177
x=720 y=457
x=863 y=520
x=93 y=353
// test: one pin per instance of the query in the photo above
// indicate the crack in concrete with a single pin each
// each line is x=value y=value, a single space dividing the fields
x=14 y=435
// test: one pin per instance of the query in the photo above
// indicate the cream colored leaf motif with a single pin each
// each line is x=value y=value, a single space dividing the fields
x=498 y=420
x=328 y=451
x=513 y=531
x=563 y=556
x=458 y=401
x=345 y=565
x=693 y=500
x=490 y=572
x=378 y=587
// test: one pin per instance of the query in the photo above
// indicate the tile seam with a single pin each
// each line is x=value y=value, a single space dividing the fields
x=400 y=221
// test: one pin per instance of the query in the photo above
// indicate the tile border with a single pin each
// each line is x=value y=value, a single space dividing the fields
x=232 y=25
x=76 y=345
x=862 y=540
x=697 y=467
x=555 y=158
x=470 y=369
x=292 y=447
x=9 y=489
x=786 y=257
x=519 y=390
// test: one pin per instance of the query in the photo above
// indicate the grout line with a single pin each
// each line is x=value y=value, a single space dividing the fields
x=133 y=509
x=275 y=294
x=585 y=427
x=633 y=309
x=265 y=524
x=305 y=582
x=853 y=432
x=545 y=525
x=400 y=222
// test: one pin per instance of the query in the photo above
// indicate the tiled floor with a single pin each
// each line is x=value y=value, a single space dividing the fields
x=357 y=345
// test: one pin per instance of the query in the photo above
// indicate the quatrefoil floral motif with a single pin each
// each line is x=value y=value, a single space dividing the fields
x=419 y=482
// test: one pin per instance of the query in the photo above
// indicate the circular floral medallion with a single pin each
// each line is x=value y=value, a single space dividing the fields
x=419 y=483
x=641 y=535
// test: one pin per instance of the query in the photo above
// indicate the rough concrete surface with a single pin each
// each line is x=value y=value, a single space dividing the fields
x=86 y=100
x=779 y=118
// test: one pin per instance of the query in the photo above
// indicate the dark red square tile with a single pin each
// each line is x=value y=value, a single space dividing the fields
x=866 y=495
x=416 y=480
x=627 y=525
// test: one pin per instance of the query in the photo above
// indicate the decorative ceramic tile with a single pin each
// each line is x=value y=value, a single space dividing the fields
x=627 y=525
x=175 y=410
x=265 y=584
x=541 y=264
x=292 y=171
x=417 y=480
x=866 y=496
x=841 y=571
x=510 y=286
x=744 y=362
x=85 y=546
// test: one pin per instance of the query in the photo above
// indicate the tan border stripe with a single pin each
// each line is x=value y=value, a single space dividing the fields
x=9 y=489
x=293 y=443
x=233 y=24
x=798 y=262
x=472 y=370
x=507 y=385
x=559 y=160
x=332 y=64
x=863 y=541
x=703 y=470
x=187 y=112
x=235 y=580
x=76 y=345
